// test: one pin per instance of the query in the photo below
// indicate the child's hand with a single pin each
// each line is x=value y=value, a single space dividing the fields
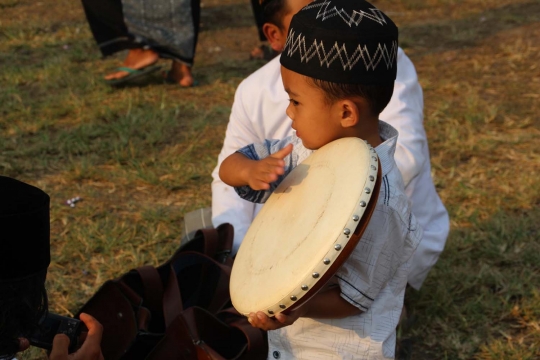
x=264 y=172
x=262 y=321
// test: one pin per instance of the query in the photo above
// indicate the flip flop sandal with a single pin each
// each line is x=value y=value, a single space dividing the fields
x=168 y=79
x=133 y=74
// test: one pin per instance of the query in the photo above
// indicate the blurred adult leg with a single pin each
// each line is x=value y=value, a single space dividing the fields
x=106 y=20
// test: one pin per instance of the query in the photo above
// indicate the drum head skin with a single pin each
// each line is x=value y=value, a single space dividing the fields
x=304 y=228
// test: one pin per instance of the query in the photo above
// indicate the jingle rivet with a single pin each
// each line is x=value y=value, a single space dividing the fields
x=305 y=287
x=346 y=231
x=270 y=312
x=120 y=315
x=326 y=261
x=337 y=247
x=374 y=158
x=356 y=217
x=363 y=204
x=294 y=298
x=371 y=178
x=367 y=190
x=315 y=275
x=373 y=167
x=282 y=306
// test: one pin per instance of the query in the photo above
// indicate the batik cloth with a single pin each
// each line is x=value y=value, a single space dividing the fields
x=169 y=27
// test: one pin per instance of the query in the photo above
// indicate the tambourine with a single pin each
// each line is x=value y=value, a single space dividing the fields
x=307 y=228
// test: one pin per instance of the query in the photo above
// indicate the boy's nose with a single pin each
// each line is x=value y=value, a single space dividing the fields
x=289 y=112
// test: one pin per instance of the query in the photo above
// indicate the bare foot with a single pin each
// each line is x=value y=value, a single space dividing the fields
x=136 y=59
x=181 y=73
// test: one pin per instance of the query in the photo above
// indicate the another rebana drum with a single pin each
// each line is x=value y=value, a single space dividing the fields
x=307 y=228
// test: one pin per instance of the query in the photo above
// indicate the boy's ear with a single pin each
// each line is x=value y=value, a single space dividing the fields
x=275 y=36
x=349 y=113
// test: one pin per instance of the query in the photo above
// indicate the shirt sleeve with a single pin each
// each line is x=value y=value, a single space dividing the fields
x=388 y=242
x=405 y=113
x=261 y=151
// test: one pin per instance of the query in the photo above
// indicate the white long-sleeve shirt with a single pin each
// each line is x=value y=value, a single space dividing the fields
x=258 y=113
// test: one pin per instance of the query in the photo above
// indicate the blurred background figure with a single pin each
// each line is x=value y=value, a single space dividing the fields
x=263 y=51
x=149 y=29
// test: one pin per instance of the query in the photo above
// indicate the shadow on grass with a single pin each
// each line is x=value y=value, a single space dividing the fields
x=483 y=289
x=467 y=32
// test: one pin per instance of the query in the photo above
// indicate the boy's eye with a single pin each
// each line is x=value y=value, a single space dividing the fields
x=294 y=102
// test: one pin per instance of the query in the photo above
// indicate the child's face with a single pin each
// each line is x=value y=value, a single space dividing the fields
x=316 y=122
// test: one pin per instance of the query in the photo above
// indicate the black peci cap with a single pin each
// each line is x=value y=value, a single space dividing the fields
x=342 y=41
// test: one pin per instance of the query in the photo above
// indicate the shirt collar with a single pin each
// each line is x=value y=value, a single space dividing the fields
x=386 y=150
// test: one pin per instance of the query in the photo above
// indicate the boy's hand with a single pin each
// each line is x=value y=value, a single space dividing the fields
x=262 y=321
x=264 y=172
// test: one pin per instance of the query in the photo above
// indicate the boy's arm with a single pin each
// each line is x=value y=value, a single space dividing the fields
x=259 y=174
x=326 y=304
x=238 y=170
x=242 y=130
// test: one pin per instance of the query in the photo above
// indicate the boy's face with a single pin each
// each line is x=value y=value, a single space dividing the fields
x=316 y=122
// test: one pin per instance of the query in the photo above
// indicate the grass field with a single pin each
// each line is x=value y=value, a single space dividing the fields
x=141 y=157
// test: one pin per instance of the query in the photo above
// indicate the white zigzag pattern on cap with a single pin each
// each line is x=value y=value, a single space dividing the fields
x=370 y=61
x=356 y=18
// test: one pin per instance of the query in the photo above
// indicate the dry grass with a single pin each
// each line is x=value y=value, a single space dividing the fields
x=141 y=157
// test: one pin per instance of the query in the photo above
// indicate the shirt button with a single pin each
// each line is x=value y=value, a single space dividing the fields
x=276 y=354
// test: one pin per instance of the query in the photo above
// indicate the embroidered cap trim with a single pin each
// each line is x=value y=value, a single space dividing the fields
x=355 y=17
x=297 y=43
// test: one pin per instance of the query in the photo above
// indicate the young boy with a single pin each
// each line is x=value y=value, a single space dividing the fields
x=258 y=113
x=338 y=68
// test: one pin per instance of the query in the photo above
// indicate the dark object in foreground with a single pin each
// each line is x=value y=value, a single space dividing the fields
x=53 y=324
x=179 y=310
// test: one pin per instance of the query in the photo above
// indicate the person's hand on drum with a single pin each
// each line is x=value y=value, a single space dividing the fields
x=326 y=304
x=237 y=170
x=262 y=321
